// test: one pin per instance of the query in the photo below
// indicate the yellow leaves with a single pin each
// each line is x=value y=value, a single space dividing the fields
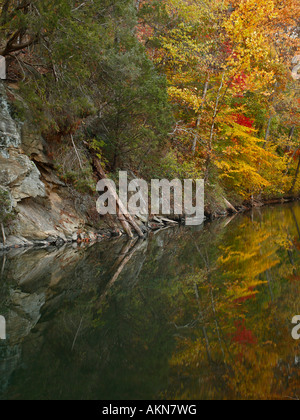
x=243 y=290
x=246 y=165
x=253 y=376
x=195 y=11
x=249 y=17
x=249 y=32
x=204 y=43
x=246 y=260
x=182 y=47
x=186 y=97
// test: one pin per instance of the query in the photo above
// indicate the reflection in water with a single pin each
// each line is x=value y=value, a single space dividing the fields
x=188 y=314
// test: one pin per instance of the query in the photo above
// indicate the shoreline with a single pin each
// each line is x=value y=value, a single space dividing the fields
x=155 y=224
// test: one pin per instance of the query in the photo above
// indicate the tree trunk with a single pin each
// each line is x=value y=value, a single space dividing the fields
x=76 y=151
x=123 y=216
x=229 y=206
x=212 y=130
x=200 y=114
x=295 y=178
x=11 y=47
x=267 y=132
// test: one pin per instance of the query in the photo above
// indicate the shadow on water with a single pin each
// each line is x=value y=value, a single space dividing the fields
x=188 y=314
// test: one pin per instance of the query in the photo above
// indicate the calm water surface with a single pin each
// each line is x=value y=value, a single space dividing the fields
x=187 y=314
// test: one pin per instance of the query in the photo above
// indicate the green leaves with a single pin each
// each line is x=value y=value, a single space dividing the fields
x=88 y=62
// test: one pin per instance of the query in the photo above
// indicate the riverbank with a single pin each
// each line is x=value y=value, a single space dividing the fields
x=87 y=237
x=39 y=209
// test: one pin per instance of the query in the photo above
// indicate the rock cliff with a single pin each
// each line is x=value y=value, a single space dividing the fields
x=44 y=208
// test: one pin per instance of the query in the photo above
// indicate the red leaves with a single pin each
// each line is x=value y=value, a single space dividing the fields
x=243 y=120
x=227 y=48
x=239 y=83
x=245 y=298
x=294 y=278
x=242 y=335
x=144 y=32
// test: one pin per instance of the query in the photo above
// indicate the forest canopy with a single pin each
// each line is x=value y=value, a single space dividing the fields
x=175 y=88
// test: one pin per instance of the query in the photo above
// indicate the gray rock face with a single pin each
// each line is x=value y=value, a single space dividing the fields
x=9 y=132
x=21 y=176
x=33 y=143
x=43 y=205
x=18 y=174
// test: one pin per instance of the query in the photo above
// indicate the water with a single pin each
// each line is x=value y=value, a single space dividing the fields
x=189 y=314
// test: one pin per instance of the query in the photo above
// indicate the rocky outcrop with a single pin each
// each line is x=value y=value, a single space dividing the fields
x=20 y=176
x=45 y=209
x=9 y=132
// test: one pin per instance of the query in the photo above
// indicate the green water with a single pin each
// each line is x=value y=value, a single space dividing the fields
x=188 y=314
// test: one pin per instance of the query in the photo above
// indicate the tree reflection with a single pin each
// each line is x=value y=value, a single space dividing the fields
x=187 y=314
x=248 y=295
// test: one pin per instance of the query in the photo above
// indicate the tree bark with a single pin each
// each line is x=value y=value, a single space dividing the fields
x=11 y=48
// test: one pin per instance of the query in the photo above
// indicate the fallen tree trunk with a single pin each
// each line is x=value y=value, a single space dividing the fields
x=172 y=222
x=125 y=224
x=124 y=217
x=229 y=206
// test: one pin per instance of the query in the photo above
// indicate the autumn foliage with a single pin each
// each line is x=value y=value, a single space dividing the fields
x=228 y=66
x=169 y=88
